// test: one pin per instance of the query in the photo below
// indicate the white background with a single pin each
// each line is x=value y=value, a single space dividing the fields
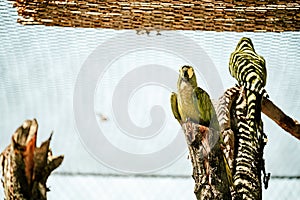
x=38 y=70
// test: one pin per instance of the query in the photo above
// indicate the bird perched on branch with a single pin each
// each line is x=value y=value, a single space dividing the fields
x=191 y=102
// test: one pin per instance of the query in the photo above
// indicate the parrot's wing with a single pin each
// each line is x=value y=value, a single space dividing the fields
x=200 y=102
x=205 y=107
x=174 y=107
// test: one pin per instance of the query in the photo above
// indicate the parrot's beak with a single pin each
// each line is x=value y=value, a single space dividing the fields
x=186 y=73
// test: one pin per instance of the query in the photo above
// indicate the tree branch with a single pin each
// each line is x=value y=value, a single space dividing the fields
x=209 y=172
x=277 y=115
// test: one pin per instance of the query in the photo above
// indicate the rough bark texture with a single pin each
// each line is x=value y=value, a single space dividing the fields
x=25 y=167
x=209 y=172
x=277 y=115
x=247 y=169
x=248 y=153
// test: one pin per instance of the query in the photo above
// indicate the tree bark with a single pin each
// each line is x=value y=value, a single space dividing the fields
x=248 y=148
x=25 y=167
x=209 y=172
x=277 y=115
x=247 y=169
x=202 y=139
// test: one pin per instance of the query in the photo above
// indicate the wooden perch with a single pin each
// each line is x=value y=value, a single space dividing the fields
x=247 y=170
x=209 y=172
x=25 y=167
x=277 y=115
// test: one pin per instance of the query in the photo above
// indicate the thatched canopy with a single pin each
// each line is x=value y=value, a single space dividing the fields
x=208 y=15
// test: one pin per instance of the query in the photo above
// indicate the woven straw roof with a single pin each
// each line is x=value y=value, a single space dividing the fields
x=208 y=15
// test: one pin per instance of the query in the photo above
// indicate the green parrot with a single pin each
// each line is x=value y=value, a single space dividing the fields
x=192 y=102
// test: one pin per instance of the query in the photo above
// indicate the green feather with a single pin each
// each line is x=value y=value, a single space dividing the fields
x=192 y=102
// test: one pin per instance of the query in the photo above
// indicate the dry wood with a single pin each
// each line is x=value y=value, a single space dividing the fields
x=277 y=115
x=25 y=167
x=209 y=172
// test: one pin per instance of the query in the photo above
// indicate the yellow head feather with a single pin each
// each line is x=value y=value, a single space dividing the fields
x=190 y=72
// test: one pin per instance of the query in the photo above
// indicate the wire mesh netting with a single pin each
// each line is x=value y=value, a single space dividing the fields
x=39 y=67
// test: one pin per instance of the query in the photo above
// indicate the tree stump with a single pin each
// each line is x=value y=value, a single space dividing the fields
x=209 y=172
x=25 y=167
x=241 y=148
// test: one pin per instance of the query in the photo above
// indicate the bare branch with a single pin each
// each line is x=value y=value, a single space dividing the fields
x=277 y=115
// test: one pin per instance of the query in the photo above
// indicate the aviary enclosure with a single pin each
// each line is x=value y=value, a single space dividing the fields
x=89 y=85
